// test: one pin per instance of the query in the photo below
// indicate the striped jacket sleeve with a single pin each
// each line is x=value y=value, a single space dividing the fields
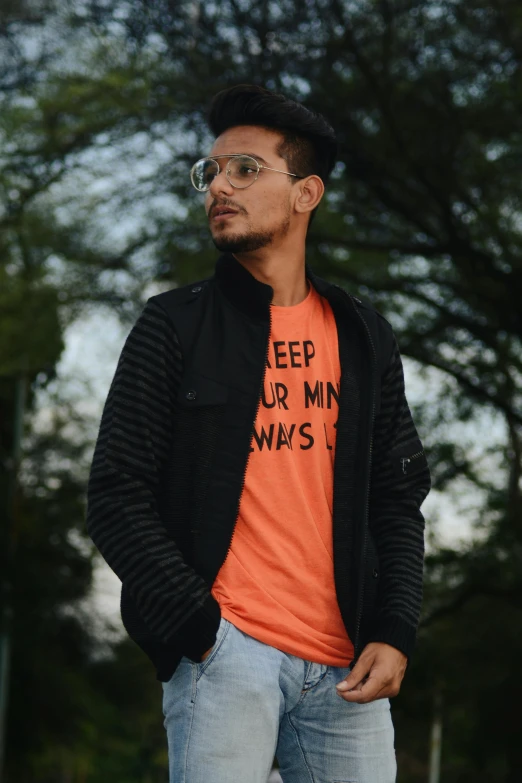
x=399 y=484
x=133 y=442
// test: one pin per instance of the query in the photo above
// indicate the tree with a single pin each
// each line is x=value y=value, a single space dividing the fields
x=421 y=217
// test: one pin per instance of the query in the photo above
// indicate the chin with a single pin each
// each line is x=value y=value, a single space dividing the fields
x=245 y=243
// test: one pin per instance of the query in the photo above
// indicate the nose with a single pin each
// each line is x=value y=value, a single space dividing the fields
x=220 y=185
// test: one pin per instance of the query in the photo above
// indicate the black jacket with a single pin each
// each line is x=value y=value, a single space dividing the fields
x=171 y=455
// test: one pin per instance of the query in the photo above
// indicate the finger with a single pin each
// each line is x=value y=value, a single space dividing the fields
x=360 y=685
x=363 y=682
x=356 y=676
x=373 y=688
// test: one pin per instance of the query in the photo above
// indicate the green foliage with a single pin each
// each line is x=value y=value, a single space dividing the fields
x=30 y=333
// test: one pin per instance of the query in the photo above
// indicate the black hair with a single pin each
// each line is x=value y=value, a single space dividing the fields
x=309 y=145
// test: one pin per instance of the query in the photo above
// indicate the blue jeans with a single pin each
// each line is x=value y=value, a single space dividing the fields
x=227 y=717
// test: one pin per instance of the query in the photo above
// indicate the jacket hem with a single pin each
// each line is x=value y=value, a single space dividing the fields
x=197 y=634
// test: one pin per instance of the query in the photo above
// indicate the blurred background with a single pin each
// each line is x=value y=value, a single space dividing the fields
x=102 y=108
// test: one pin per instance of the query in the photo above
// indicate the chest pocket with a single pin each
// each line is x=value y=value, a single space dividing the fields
x=196 y=390
x=199 y=416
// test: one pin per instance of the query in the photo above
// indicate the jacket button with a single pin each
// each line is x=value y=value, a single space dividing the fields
x=196 y=289
x=375 y=573
x=191 y=395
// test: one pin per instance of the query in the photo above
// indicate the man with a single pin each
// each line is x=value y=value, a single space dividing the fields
x=257 y=481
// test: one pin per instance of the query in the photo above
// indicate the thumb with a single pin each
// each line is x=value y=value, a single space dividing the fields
x=356 y=676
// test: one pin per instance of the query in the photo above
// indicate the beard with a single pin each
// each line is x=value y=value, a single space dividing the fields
x=243 y=243
x=250 y=241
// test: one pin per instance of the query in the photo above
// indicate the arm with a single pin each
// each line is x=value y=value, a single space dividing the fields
x=400 y=482
x=399 y=485
x=133 y=441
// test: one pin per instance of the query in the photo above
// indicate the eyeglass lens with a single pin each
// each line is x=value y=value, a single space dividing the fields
x=241 y=172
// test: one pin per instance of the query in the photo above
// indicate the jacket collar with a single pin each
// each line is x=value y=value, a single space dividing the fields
x=249 y=294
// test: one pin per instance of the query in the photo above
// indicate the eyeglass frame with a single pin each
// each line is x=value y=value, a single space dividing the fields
x=237 y=155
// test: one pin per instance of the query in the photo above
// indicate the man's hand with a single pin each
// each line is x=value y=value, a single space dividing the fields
x=205 y=655
x=377 y=674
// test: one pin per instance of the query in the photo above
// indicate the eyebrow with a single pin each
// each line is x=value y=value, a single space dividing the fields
x=252 y=155
x=257 y=157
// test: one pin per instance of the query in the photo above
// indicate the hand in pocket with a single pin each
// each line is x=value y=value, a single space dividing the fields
x=205 y=655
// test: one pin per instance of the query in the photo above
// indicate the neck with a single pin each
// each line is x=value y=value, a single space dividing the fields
x=283 y=270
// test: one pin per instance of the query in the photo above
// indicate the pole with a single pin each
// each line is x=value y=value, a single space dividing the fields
x=436 y=738
x=6 y=609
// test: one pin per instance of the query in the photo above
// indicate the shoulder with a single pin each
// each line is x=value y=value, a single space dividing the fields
x=381 y=323
x=157 y=319
x=182 y=310
x=175 y=298
x=370 y=313
x=368 y=308
x=380 y=329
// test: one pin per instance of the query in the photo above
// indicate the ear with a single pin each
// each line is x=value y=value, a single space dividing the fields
x=309 y=193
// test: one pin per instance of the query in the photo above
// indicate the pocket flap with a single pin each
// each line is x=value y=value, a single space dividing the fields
x=196 y=389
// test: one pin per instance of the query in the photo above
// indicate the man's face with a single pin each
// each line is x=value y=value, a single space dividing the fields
x=264 y=209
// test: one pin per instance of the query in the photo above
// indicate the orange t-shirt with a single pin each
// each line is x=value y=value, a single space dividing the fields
x=277 y=582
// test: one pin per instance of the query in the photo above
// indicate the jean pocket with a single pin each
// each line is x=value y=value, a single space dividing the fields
x=222 y=631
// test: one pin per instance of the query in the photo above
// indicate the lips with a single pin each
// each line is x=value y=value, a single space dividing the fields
x=219 y=213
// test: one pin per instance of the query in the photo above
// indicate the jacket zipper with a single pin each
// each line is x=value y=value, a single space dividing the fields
x=404 y=461
x=243 y=480
x=356 y=643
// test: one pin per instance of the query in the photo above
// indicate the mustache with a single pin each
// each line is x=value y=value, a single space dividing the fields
x=225 y=203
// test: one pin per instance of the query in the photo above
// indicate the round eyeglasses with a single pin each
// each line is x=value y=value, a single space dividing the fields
x=241 y=171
